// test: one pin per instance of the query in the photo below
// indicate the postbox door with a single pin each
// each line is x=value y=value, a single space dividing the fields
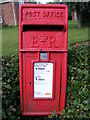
x=32 y=103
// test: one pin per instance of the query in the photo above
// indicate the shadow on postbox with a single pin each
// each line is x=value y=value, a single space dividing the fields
x=43 y=34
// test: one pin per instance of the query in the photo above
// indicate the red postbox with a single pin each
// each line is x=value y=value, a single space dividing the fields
x=43 y=34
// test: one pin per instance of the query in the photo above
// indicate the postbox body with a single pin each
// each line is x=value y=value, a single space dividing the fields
x=43 y=33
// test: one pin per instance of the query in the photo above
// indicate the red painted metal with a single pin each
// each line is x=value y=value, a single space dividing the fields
x=42 y=28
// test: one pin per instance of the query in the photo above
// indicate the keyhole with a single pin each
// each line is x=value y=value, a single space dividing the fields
x=30 y=83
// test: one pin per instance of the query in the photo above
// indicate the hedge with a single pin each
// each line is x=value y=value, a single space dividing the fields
x=77 y=86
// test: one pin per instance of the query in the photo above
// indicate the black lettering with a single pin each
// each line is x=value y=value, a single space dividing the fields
x=34 y=14
x=30 y=14
x=51 y=14
x=58 y=15
x=54 y=14
x=41 y=68
x=26 y=13
x=41 y=79
x=44 y=14
x=48 y=13
x=38 y=14
x=61 y=14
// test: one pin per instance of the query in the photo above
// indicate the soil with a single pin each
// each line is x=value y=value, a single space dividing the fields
x=81 y=43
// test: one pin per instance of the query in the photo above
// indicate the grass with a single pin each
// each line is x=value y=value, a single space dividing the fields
x=10 y=40
x=10 y=37
x=76 y=35
x=0 y=42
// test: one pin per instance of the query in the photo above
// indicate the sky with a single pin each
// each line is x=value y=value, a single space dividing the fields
x=44 y=1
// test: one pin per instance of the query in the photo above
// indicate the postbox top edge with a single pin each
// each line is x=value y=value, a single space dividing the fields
x=43 y=6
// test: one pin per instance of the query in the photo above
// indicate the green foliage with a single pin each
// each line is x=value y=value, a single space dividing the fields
x=77 y=86
x=82 y=6
x=10 y=87
x=54 y=115
x=69 y=14
x=73 y=6
x=83 y=12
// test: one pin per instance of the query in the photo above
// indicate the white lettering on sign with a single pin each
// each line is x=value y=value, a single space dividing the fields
x=43 y=79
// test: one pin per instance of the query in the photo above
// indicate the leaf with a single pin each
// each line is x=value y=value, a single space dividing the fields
x=76 y=105
x=8 y=86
